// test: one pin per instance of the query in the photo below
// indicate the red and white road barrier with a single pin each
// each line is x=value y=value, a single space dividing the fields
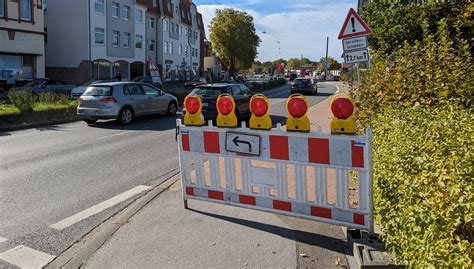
x=308 y=155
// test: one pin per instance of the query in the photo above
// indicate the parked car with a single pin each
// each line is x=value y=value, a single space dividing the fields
x=78 y=91
x=47 y=85
x=148 y=80
x=194 y=82
x=124 y=101
x=209 y=94
x=304 y=85
x=293 y=77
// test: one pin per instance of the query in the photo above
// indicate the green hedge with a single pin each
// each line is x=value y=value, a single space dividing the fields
x=262 y=86
x=423 y=176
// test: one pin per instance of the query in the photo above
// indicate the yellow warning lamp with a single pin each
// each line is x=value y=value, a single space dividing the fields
x=260 y=108
x=193 y=115
x=297 y=106
x=226 y=107
x=343 y=122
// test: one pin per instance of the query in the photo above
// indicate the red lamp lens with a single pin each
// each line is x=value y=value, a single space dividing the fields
x=342 y=108
x=225 y=106
x=192 y=105
x=259 y=107
x=297 y=107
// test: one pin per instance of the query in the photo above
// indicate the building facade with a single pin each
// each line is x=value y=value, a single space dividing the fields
x=21 y=40
x=117 y=37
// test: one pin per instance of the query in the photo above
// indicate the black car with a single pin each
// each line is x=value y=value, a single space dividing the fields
x=209 y=94
x=148 y=80
x=293 y=77
x=304 y=85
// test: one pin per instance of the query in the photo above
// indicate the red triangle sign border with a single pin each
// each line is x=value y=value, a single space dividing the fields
x=352 y=12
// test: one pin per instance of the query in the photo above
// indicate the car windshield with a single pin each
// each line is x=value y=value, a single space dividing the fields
x=208 y=91
x=196 y=79
x=98 y=91
x=301 y=81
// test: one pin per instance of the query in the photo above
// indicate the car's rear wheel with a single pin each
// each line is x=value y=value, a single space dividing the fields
x=172 y=108
x=125 y=116
x=90 y=121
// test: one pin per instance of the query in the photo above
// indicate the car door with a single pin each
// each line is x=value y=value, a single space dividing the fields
x=156 y=100
x=136 y=97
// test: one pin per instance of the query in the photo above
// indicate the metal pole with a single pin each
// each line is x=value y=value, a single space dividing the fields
x=325 y=67
x=358 y=73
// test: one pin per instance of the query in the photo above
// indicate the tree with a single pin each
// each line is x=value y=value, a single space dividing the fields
x=267 y=67
x=306 y=62
x=334 y=65
x=234 y=39
x=294 y=63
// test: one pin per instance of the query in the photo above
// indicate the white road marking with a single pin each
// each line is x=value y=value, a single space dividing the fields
x=98 y=208
x=3 y=239
x=25 y=257
x=338 y=90
x=112 y=135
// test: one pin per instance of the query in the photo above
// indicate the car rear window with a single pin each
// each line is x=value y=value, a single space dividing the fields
x=301 y=81
x=98 y=91
x=211 y=92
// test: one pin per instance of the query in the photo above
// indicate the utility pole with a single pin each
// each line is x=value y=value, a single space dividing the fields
x=325 y=64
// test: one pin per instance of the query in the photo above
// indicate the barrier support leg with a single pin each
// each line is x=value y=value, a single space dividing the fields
x=185 y=204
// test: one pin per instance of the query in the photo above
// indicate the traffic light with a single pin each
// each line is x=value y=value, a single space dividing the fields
x=193 y=115
x=226 y=108
x=342 y=107
x=260 y=108
x=297 y=106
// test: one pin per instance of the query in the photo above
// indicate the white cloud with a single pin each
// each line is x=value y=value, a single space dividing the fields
x=302 y=30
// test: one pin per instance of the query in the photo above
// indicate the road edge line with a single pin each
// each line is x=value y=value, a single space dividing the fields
x=78 y=253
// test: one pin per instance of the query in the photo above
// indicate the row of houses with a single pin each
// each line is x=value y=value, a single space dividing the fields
x=78 y=40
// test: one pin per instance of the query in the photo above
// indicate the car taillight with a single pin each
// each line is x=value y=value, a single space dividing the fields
x=108 y=100
x=225 y=106
x=297 y=107
x=342 y=108
x=81 y=99
x=192 y=104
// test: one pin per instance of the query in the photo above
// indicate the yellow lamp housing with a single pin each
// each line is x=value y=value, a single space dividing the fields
x=226 y=107
x=344 y=121
x=193 y=115
x=297 y=107
x=260 y=108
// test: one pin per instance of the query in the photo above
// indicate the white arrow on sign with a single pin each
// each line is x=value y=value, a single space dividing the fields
x=353 y=26
x=242 y=143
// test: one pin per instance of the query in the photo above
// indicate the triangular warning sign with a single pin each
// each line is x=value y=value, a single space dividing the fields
x=353 y=26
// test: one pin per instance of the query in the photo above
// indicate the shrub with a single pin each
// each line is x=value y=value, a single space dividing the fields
x=50 y=97
x=423 y=175
x=22 y=100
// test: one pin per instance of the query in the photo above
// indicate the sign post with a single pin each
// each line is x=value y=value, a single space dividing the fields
x=354 y=33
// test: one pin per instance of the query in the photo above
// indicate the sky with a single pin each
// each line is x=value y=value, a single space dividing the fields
x=301 y=25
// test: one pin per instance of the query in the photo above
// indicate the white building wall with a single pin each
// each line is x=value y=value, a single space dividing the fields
x=140 y=54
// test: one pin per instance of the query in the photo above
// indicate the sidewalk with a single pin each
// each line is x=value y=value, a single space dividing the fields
x=165 y=235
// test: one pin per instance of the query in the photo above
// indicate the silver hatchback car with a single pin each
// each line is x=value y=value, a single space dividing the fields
x=123 y=101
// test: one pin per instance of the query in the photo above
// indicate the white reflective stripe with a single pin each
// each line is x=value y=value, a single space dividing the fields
x=342 y=189
x=300 y=180
x=244 y=167
x=214 y=168
x=282 y=187
x=222 y=142
x=321 y=186
x=184 y=165
x=196 y=141
x=265 y=150
x=199 y=167
x=340 y=152
x=363 y=192
x=230 y=173
x=298 y=149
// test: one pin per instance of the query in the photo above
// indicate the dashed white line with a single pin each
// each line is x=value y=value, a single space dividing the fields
x=112 y=135
x=3 y=239
x=25 y=257
x=98 y=208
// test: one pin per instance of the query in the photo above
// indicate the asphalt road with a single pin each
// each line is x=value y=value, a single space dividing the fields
x=52 y=173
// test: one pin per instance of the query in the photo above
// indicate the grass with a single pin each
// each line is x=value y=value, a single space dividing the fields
x=38 y=107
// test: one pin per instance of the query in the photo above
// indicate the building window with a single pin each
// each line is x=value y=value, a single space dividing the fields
x=99 y=36
x=152 y=45
x=126 y=13
x=99 y=6
x=126 y=40
x=152 y=23
x=186 y=50
x=138 y=41
x=25 y=10
x=177 y=28
x=138 y=16
x=115 y=10
x=115 y=38
x=181 y=30
x=180 y=49
x=165 y=26
x=170 y=47
x=171 y=8
x=165 y=47
x=2 y=8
